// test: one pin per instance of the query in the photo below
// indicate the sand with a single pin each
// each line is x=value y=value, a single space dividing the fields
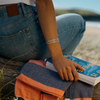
x=92 y=30
x=89 y=47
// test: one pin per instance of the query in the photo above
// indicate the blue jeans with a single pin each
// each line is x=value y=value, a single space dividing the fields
x=21 y=36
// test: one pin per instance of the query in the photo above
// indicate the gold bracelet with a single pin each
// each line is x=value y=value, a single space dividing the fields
x=52 y=41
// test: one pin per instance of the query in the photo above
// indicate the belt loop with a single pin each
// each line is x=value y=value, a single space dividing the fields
x=24 y=10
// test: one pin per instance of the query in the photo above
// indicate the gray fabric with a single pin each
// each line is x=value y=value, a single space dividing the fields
x=45 y=76
x=50 y=78
x=79 y=90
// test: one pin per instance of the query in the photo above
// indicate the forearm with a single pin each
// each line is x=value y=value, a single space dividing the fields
x=65 y=67
x=47 y=20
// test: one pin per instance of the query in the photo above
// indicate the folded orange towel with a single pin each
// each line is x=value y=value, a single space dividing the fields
x=35 y=82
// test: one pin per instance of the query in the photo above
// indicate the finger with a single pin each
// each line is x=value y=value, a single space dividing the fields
x=70 y=75
x=79 y=66
x=74 y=73
x=65 y=74
x=61 y=74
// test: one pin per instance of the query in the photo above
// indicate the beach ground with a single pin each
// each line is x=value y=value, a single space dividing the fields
x=89 y=47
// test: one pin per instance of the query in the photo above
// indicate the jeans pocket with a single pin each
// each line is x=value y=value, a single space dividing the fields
x=18 y=45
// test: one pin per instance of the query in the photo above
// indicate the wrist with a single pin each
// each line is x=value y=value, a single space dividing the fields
x=52 y=41
x=57 y=56
x=55 y=50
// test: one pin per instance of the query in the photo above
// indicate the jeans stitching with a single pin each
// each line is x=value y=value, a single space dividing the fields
x=3 y=15
x=70 y=29
x=15 y=22
x=72 y=41
x=3 y=48
x=15 y=35
x=30 y=41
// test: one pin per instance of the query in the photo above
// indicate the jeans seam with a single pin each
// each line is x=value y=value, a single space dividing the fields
x=3 y=49
x=15 y=22
x=72 y=28
x=36 y=51
x=30 y=40
x=36 y=15
x=3 y=15
x=15 y=35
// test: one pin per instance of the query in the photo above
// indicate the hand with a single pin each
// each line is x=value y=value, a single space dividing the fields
x=66 y=68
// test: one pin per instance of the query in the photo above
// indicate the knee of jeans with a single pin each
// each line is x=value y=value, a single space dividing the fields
x=77 y=21
x=81 y=22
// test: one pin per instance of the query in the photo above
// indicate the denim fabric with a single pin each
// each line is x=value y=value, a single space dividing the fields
x=79 y=89
x=21 y=36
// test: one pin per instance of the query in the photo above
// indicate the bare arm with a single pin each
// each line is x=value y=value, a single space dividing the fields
x=48 y=23
x=47 y=20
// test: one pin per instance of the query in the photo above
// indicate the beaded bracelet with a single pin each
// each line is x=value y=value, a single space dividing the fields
x=52 y=41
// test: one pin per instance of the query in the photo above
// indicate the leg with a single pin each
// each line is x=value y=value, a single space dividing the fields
x=70 y=31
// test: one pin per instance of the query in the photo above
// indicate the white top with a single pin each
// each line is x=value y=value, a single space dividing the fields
x=28 y=2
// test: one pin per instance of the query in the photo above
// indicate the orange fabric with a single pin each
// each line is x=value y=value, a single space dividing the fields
x=39 y=62
x=27 y=92
x=30 y=93
x=50 y=90
x=82 y=99
x=50 y=97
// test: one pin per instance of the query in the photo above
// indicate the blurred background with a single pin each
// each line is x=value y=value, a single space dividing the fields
x=89 y=47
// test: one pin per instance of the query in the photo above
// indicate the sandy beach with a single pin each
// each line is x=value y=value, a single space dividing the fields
x=89 y=47
x=92 y=30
